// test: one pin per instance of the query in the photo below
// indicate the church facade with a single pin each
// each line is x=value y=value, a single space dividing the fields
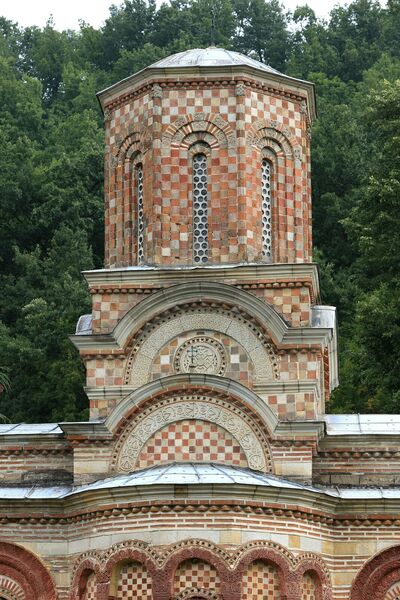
x=209 y=468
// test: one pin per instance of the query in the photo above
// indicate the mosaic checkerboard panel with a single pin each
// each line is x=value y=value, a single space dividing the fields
x=91 y=588
x=191 y=441
x=239 y=366
x=196 y=574
x=394 y=592
x=134 y=582
x=261 y=582
x=308 y=588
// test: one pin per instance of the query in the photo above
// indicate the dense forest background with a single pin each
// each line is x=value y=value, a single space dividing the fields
x=51 y=176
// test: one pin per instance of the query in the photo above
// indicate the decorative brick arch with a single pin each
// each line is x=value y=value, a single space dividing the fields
x=86 y=565
x=378 y=574
x=264 y=316
x=272 y=130
x=127 y=153
x=269 y=555
x=134 y=551
x=27 y=571
x=211 y=123
x=268 y=139
x=312 y=564
x=245 y=420
x=203 y=551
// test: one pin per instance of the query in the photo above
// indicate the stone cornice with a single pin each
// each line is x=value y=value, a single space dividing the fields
x=243 y=274
x=361 y=441
x=269 y=387
x=289 y=505
x=273 y=83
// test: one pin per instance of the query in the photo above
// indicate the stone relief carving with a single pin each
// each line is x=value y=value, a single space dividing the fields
x=138 y=370
x=200 y=355
x=188 y=408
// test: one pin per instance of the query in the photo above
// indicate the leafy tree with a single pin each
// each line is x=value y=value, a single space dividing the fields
x=262 y=31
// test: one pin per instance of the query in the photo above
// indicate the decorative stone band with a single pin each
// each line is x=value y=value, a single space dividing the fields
x=194 y=84
x=147 y=509
x=264 y=317
x=187 y=407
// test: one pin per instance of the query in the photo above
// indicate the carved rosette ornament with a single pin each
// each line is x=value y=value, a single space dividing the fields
x=200 y=355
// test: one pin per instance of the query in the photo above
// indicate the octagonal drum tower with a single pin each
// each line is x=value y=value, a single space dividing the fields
x=208 y=355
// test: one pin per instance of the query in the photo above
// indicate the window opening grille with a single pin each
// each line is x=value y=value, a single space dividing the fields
x=266 y=208
x=200 y=209
x=140 y=217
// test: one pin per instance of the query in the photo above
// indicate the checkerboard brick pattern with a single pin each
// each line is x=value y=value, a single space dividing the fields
x=196 y=574
x=394 y=592
x=134 y=582
x=238 y=365
x=207 y=116
x=91 y=588
x=308 y=588
x=192 y=441
x=261 y=582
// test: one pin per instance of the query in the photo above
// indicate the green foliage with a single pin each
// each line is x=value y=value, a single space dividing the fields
x=51 y=173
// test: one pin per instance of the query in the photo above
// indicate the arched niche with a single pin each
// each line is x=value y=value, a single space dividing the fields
x=264 y=319
x=27 y=572
x=154 y=337
x=130 y=579
x=381 y=574
x=236 y=419
x=196 y=578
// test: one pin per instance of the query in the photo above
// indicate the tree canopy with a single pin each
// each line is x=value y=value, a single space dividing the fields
x=51 y=177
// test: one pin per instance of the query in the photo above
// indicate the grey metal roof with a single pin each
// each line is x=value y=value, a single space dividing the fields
x=84 y=325
x=193 y=474
x=210 y=57
x=362 y=424
x=29 y=428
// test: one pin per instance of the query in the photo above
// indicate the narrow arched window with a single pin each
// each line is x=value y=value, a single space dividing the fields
x=200 y=208
x=266 y=169
x=139 y=212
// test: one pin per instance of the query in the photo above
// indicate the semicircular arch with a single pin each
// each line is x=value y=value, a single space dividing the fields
x=192 y=383
x=263 y=314
x=379 y=573
x=27 y=571
x=190 y=407
x=211 y=123
x=139 y=365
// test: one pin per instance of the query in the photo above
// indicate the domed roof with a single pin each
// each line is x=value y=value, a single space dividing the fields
x=210 y=57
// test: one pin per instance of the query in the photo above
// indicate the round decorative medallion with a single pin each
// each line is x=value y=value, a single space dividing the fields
x=200 y=355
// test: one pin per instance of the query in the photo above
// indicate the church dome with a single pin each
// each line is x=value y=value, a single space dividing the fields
x=210 y=57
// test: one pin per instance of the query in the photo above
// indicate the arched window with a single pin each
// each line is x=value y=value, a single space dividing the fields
x=139 y=211
x=200 y=208
x=266 y=173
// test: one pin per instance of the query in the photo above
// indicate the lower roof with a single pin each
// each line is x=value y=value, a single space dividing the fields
x=350 y=424
x=193 y=474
